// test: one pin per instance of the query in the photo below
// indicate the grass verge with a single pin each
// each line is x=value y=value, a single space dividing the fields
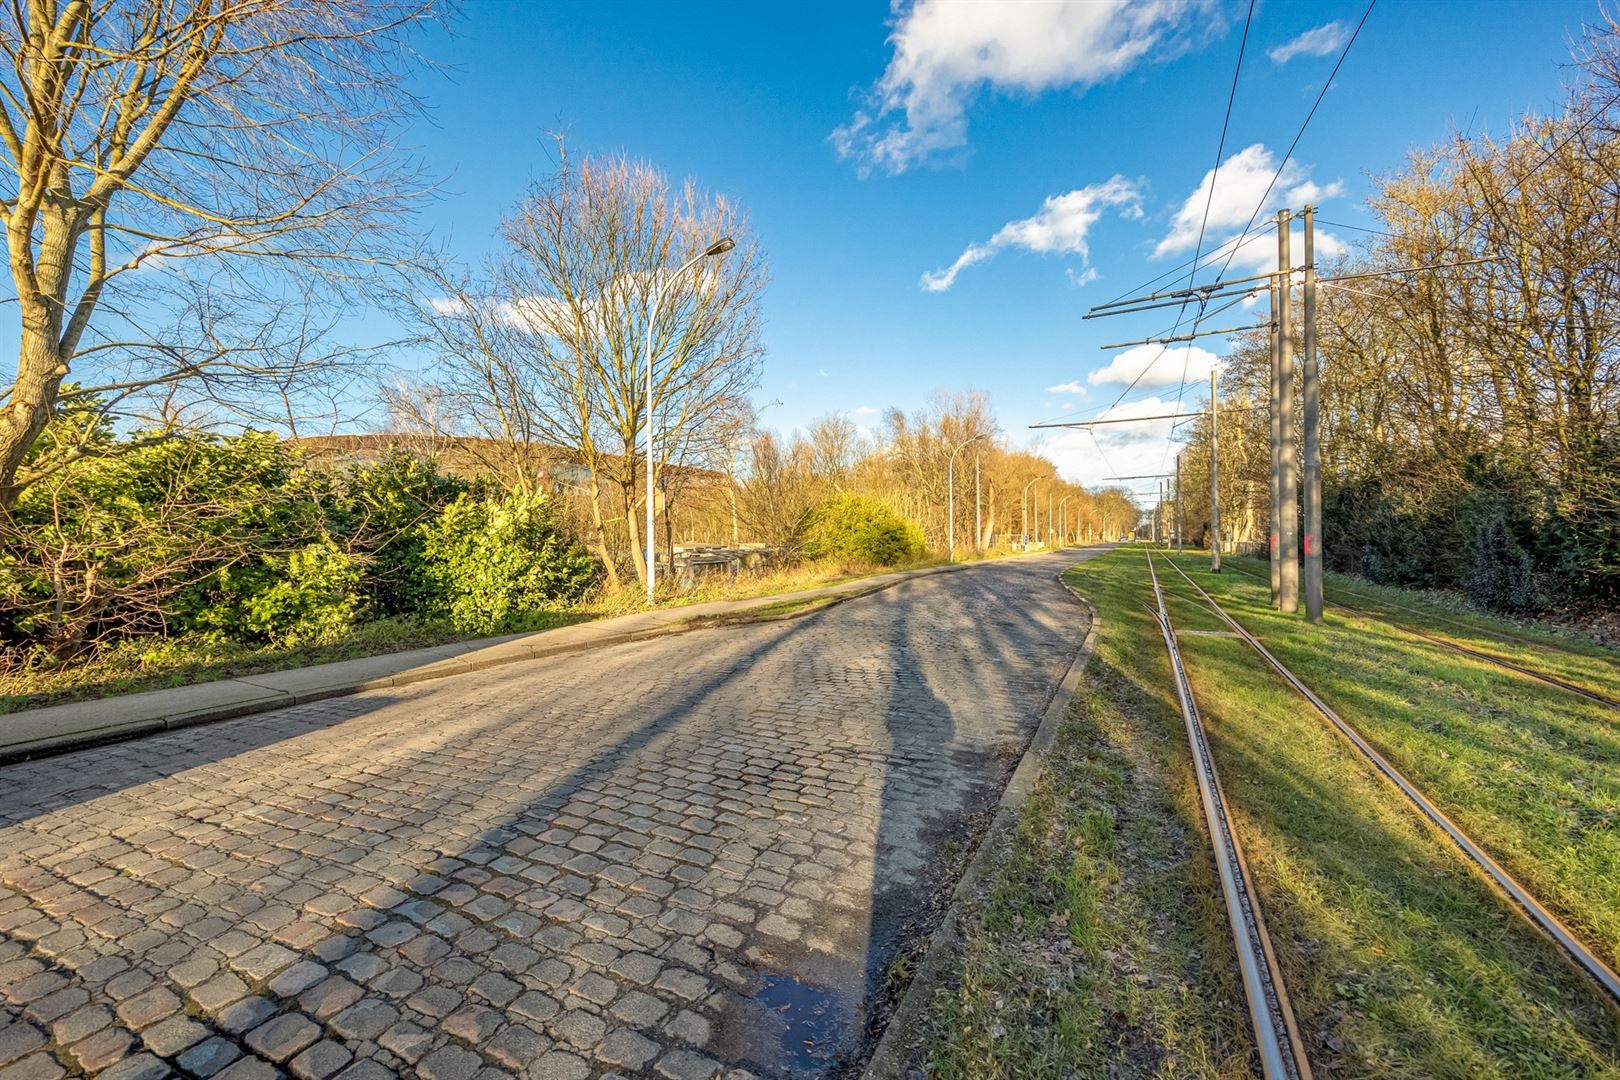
x=1568 y=655
x=1098 y=947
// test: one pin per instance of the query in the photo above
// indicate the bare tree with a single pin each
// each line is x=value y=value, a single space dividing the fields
x=166 y=164
x=481 y=390
x=590 y=247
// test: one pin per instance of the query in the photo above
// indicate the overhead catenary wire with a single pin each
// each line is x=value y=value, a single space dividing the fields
x=1298 y=135
x=1209 y=199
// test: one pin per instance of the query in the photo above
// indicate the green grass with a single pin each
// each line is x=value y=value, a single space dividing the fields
x=1568 y=655
x=156 y=664
x=1097 y=945
x=1097 y=951
x=1530 y=771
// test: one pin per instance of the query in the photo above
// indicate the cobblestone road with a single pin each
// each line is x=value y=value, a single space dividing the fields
x=684 y=858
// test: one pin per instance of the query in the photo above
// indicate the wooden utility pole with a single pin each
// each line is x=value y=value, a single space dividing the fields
x=1274 y=548
x=1214 y=476
x=1313 y=434
x=1288 y=477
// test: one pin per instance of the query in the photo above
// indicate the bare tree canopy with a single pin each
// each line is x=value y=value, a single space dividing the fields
x=183 y=180
x=551 y=345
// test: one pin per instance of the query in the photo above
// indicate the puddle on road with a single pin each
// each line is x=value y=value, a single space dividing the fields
x=787 y=1027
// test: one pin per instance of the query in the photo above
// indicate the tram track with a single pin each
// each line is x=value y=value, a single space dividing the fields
x=1276 y=1031
x=1522 y=900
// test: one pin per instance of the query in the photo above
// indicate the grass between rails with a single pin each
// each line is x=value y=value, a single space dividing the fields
x=1400 y=958
x=155 y=664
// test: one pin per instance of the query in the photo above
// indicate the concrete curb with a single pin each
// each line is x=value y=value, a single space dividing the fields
x=900 y=1035
x=57 y=729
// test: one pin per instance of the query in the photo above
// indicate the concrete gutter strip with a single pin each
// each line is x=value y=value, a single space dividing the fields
x=58 y=728
x=904 y=1029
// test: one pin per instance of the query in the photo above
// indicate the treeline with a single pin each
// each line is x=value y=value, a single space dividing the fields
x=1002 y=494
x=1471 y=412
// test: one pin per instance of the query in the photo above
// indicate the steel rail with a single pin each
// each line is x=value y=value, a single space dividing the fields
x=1276 y=1035
x=1526 y=903
x=1489 y=658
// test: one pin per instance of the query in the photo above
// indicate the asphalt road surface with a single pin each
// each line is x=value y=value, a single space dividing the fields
x=687 y=857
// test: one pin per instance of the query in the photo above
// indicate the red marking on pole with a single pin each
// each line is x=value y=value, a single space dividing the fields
x=1310 y=544
x=1273 y=542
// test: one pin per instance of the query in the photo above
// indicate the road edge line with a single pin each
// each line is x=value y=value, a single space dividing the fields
x=902 y=1031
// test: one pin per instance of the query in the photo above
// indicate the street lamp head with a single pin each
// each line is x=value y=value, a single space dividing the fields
x=719 y=247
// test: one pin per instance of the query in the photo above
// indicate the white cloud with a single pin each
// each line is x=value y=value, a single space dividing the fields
x=1070 y=387
x=1156 y=365
x=946 y=52
x=1239 y=184
x=1059 y=227
x=821 y=372
x=1318 y=41
x=1084 y=278
x=864 y=417
x=449 y=306
x=536 y=313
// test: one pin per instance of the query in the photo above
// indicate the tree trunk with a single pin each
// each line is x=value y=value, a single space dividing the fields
x=634 y=527
x=602 y=551
x=41 y=367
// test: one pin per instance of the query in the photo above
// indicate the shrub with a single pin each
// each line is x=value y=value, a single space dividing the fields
x=1497 y=521
x=137 y=542
x=849 y=526
x=491 y=562
x=385 y=509
x=316 y=598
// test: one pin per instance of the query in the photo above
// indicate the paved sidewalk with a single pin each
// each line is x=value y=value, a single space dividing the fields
x=689 y=857
x=36 y=731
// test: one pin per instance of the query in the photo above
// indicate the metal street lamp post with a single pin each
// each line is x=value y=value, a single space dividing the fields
x=1063 y=522
x=719 y=247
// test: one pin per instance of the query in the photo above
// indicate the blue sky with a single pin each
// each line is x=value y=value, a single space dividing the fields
x=972 y=121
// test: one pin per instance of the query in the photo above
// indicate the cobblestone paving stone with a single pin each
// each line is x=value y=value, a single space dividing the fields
x=685 y=858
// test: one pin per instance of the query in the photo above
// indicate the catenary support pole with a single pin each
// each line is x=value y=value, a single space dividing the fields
x=1288 y=508
x=1214 y=475
x=1313 y=434
x=1273 y=548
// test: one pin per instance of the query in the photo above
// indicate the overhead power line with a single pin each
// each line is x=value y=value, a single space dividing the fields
x=1209 y=199
x=1283 y=162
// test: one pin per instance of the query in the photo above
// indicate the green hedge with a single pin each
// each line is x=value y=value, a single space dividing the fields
x=858 y=527
x=240 y=539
